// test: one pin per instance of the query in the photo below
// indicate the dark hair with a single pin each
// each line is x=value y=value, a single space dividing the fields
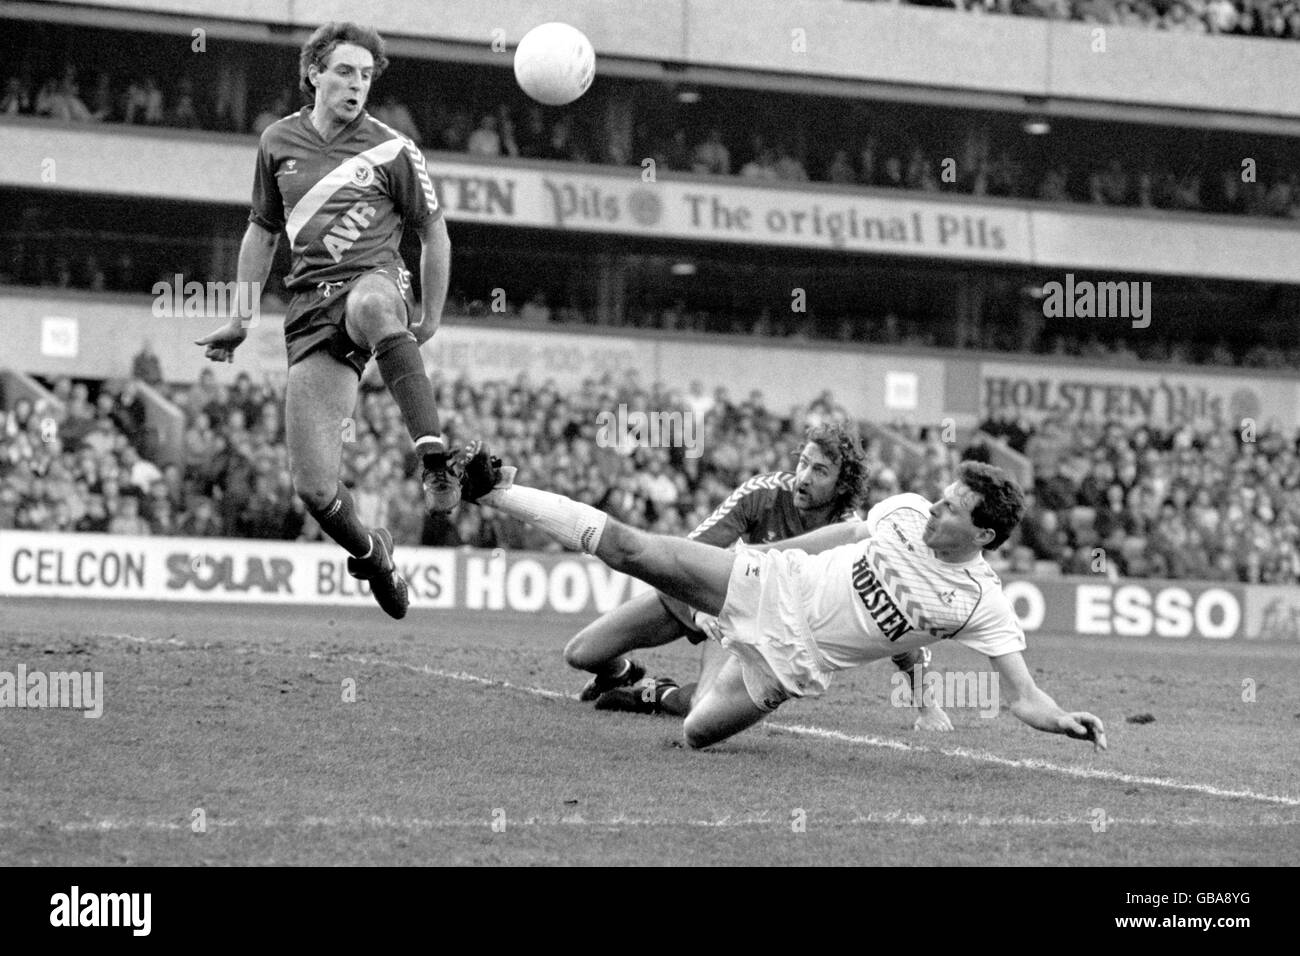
x=321 y=44
x=841 y=447
x=1002 y=503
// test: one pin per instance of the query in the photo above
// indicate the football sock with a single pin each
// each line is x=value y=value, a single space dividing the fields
x=573 y=524
x=677 y=700
x=339 y=520
x=402 y=369
x=616 y=668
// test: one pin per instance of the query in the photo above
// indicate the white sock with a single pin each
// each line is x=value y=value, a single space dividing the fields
x=573 y=524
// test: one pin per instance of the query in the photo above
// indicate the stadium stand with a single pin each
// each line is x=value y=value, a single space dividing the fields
x=1183 y=503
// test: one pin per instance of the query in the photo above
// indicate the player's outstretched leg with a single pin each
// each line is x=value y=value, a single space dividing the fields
x=376 y=319
x=322 y=392
x=687 y=570
x=601 y=647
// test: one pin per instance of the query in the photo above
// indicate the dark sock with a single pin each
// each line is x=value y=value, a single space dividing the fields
x=339 y=520
x=402 y=369
x=677 y=701
x=615 y=668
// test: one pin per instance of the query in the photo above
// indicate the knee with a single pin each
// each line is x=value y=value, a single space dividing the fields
x=375 y=314
x=576 y=653
x=315 y=493
x=695 y=734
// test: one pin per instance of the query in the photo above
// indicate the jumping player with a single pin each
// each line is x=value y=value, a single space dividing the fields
x=794 y=612
x=824 y=488
x=342 y=185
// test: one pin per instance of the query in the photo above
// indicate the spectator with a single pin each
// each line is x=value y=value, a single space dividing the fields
x=277 y=108
x=145 y=366
x=711 y=156
x=17 y=98
x=144 y=103
x=396 y=115
x=126 y=517
x=840 y=170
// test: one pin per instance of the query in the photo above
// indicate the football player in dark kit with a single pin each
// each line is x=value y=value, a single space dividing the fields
x=824 y=488
x=342 y=186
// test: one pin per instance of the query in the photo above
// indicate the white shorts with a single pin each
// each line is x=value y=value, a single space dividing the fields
x=764 y=624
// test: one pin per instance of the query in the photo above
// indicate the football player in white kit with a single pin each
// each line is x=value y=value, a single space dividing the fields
x=794 y=612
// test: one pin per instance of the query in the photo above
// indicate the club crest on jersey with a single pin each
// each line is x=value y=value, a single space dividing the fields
x=947 y=597
x=290 y=168
x=363 y=174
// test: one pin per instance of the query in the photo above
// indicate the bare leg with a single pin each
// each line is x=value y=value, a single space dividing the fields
x=640 y=622
x=320 y=396
x=687 y=570
x=723 y=708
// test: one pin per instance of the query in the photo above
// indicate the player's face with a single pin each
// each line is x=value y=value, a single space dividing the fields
x=950 y=529
x=814 y=479
x=344 y=83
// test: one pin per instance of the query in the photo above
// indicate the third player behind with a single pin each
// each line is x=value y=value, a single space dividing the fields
x=827 y=485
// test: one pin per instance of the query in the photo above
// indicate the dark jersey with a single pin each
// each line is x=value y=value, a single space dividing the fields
x=342 y=203
x=758 y=512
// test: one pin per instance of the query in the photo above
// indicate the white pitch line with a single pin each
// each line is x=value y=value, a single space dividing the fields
x=876 y=818
x=1031 y=763
x=1027 y=763
x=870 y=741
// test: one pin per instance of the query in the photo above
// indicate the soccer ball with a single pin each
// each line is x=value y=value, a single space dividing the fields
x=555 y=63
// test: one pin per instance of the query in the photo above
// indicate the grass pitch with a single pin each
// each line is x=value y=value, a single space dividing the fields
x=463 y=746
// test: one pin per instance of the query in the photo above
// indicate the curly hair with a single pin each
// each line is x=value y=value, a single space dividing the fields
x=321 y=44
x=841 y=447
x=1002 y=503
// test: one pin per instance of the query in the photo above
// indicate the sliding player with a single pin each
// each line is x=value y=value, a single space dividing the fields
x=824 y=488
x=342 y=185
x=794 y=613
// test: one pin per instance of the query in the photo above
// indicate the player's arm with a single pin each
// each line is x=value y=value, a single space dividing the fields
x=929 y=715
x=435 y=275
x=256 y=254
x=823 y=539
x=1032 y=704
x=414 y=197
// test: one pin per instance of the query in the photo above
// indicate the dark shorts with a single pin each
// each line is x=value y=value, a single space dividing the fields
x=685 y=616
x=316 y=318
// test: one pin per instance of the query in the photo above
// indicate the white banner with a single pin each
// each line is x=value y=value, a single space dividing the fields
x=828 y=218
x=1137 y=397
x=39 y=564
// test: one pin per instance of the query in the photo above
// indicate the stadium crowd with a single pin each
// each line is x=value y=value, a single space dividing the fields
x=776 y=139
x=1261 y=18
x=1181 y=503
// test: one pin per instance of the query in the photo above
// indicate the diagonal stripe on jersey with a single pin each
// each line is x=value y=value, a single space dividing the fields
x=310 y=204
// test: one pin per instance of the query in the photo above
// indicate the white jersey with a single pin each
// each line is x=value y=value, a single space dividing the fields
x=890 y=593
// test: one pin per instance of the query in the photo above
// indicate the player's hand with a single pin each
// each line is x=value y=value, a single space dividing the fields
x=220 y=345
x=708 y=624
x=424 y=328
x=933 y=718
x=1083 y=726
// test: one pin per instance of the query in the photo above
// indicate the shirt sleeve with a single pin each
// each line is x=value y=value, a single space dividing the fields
x=908 y=502
x=411 y=189
x=993 y=629
x=268 y=204
x=731 y=519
